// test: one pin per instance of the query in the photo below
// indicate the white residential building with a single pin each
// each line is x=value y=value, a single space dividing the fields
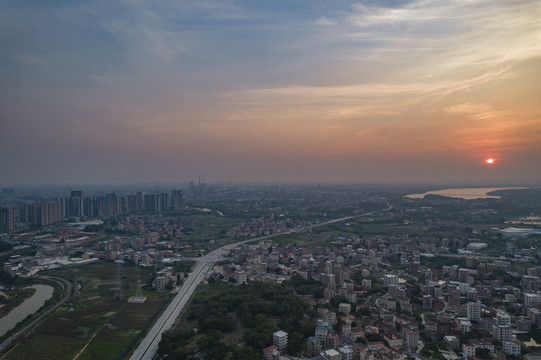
x=390 y=279
x=331 y=354
x=346 y=352
x=473 y=311
x=464 y=325
x=531 y=299
x=279 y=339
x=503 y=333
x=503 y=318
x=344 y=308
x=511 y=348
x=468 y=349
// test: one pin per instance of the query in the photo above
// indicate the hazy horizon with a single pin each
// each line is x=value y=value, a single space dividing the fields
x=127 y=186
x=393 y=92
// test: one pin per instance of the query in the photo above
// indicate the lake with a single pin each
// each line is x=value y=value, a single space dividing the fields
x=29 y=306
x=464 y=193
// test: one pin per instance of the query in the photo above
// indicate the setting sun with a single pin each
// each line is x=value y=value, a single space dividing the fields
x=489 y=161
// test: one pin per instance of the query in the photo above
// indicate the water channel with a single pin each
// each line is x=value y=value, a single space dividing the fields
x=29 y=306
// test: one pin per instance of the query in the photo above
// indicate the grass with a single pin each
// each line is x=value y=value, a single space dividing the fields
x=115 y=324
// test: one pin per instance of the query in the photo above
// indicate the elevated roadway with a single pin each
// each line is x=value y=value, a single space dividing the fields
x=149 y=345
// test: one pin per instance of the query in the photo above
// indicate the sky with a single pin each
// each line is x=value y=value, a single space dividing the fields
x=95 y=92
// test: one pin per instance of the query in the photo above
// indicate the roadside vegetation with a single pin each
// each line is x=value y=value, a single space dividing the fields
x=236 y=322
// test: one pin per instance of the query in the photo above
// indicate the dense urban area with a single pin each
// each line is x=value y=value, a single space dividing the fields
x=271 y=272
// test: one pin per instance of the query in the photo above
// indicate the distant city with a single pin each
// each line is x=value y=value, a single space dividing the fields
x=374 y=272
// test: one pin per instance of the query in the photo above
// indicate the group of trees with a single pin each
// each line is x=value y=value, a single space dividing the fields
x=258 y=310
x=306 y=286
x=8 y=280
x=5 y=246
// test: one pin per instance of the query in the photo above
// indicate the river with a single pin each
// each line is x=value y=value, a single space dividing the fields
x=29 y=306
x=464 y=193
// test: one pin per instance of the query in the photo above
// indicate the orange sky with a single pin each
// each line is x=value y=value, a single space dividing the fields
x=420 y=91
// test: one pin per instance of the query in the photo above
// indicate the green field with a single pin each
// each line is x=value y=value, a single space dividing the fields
x=97 y=322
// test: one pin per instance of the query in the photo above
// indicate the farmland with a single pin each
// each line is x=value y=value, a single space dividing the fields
x=96 y=325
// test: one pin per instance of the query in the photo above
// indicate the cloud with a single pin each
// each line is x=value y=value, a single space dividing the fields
x=323 y=21
x=476 y=111
x=269 y=80
x=25 y=58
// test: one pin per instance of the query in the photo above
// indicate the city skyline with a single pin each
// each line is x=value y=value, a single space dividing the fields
x=307 y=91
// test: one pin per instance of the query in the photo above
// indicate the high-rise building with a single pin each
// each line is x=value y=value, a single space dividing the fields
x=322 y=329
x=140 y=204
x=73 y=206
x=151 y=202
x=427 y=302
x=329 y=267
x=50 y=212
x=163 y=202
x=6 y=219
x=473 y=311
x=340 y=276
x=176 y=200
x=131 y=205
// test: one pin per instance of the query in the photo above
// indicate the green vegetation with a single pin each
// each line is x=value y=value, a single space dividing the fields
x=5 y=246
x=6 y=279
x=306 y=286
x=373 y=337
x=431 y=350
x=25 y=251
x=438 y=262
x=96 y=312
x=248 y=315
x=535 y=333
x=95 y=228
x=183 y=266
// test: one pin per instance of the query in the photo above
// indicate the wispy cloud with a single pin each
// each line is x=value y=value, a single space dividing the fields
x=25 y=58
x=338 y=80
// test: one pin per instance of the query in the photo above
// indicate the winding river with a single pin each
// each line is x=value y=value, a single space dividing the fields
x=29 y=306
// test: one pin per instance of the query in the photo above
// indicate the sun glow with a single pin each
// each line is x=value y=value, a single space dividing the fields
x=489 y=161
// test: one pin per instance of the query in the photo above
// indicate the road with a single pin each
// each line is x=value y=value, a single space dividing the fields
x=27 y=328
x=149 y=345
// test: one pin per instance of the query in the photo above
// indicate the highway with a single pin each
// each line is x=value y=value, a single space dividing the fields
x=149 y=345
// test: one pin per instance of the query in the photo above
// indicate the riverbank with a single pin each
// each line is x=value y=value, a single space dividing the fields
x=28 y=307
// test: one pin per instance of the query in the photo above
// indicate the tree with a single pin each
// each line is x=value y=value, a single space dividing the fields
x=169 y=286
x=482 y=353
x=373 y=337
x=5 y=246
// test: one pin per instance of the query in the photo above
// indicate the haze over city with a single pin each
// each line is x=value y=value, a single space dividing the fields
x=301 y=91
